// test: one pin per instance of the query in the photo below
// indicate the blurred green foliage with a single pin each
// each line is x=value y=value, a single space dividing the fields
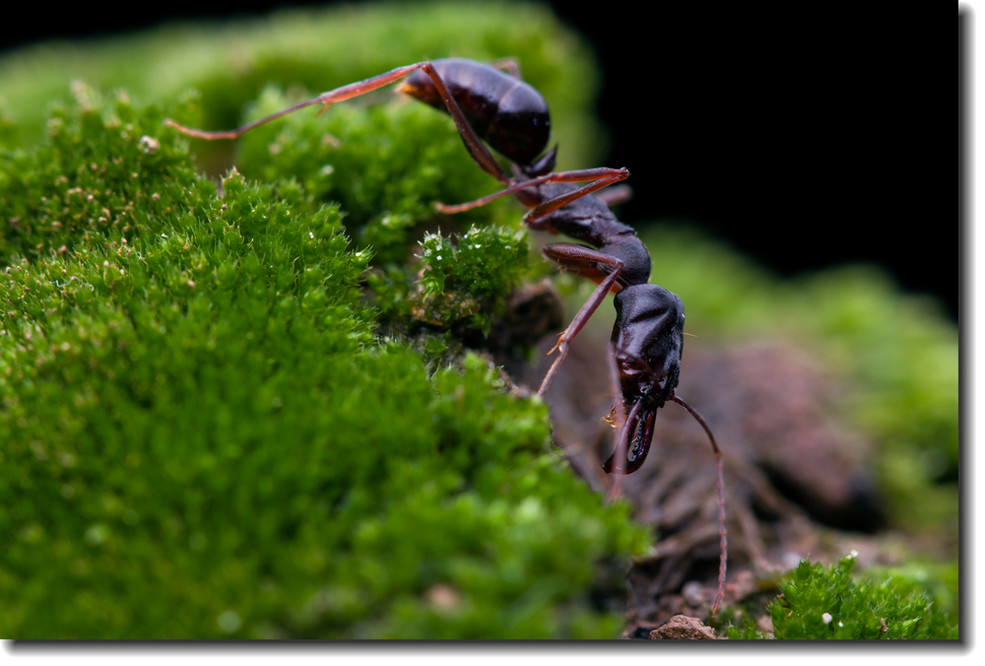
x=897 y=353
x=230 y=63
x=203 y=433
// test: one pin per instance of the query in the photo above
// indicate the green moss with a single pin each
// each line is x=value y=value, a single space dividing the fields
x=203 y=433
x=820 y=602
x=463 y=282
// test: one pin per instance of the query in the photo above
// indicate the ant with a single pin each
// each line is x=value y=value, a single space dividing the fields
x=487 y=103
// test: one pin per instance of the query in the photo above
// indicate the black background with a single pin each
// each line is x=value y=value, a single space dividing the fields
x=806 y=134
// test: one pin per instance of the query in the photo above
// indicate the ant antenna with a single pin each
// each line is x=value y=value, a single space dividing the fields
x=723 y=557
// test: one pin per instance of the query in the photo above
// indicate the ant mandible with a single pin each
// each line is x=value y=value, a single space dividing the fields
x=487 y=103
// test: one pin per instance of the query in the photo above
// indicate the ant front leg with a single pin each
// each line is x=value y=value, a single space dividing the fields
x=587 y=262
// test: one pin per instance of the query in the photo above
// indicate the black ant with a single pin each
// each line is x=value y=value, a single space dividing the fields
x=488 y=103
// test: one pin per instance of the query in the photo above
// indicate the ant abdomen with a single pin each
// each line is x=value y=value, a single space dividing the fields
x=510 y=115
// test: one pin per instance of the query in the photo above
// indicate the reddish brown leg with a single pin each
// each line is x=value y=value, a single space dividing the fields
x=337 y=95
x=581 y=260
x=600 y=177
x=615 y=195
x=473 y=144
x=477 y=150
x=604 y=176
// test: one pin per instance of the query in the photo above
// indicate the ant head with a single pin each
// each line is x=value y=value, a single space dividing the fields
x=647 y=341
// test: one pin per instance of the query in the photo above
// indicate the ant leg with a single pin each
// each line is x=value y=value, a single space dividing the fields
x=510 y=65
x=600 y=177
x=607 y=177
x=615 y=195
x=326 y=98
x=480 y=154
x=588 y=262
x=477 y=150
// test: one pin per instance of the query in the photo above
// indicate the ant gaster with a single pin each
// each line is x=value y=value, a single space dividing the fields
x=487 y=103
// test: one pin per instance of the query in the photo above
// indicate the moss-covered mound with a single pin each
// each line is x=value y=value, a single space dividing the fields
x=202 y=432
